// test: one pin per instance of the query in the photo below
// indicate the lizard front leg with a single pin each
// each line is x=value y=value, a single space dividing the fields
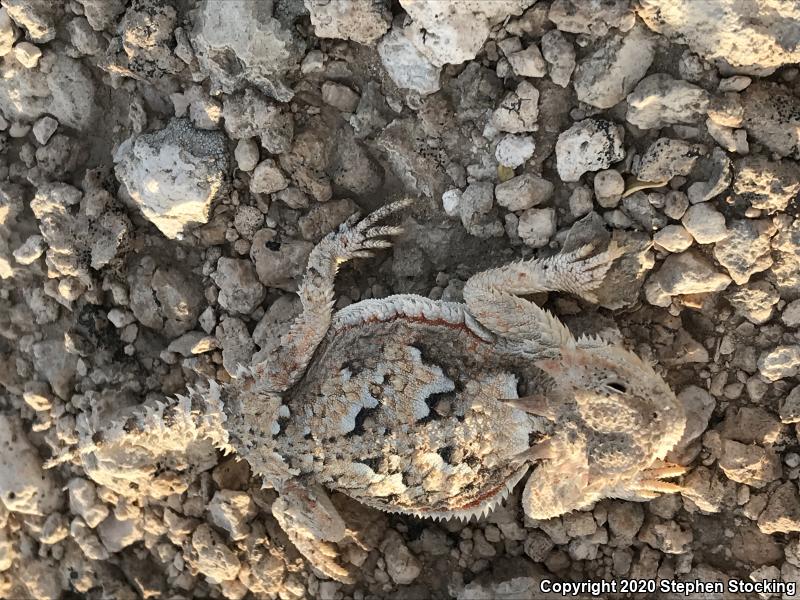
x=353 y=239
x=493 y=296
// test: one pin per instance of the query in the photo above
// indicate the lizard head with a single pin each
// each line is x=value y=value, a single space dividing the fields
x=616 y=418
x=613 y=391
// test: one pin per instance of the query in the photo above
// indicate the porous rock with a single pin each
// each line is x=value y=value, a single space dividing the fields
x=174 y=175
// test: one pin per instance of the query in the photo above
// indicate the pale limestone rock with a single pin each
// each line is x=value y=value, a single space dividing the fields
x=174 y=175
x=610 y=73
x=362 y=21
x=589 y=145
x=660 y=100
x=454 y=31
x=24 y=486
x=406 y=65
x=749 y=36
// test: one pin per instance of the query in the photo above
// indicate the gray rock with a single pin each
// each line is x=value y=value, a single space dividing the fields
x=779 y=362
x=765 y=184
x=746 y=250
x=750 y=36
x=772 y=117
x=689 y=273
x=594 y=17
x=240 y=291
x=101 y=14
x=24 y=486
x=537 y=226
x=560 y=56
x=523 y=191
x=475 y=209
x=518 y=110
x=402 y=566
x=279 y=264
x=250 y=114
x=673 y=238
x=610 y=73
x=174 y=175
x=660 y=100
x=667 y=158
x=513 y=150
x=528 y=62
x=237 y=345
x=61 y=87
x=37 y=17
x=267 y=178
x=755 y=301
x=163 y=297
x=406 y=65
x=362 y=22
x=608 y=187
x=451 y=31
x=589 y=145
x=265 y=50
x=705 y=223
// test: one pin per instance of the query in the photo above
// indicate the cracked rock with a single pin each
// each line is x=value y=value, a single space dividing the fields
x=519 y=110
x=406 y=65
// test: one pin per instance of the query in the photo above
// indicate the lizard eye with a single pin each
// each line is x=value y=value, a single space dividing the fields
x=619 y=387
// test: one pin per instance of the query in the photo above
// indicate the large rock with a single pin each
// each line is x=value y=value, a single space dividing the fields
x=406 y=65
x=239 y=42
x=610 y=73
x=61 y=87
x=594 y=17
x=772 y=117
x=363 y=22
x=24 y=486
x=660 y=100
x=83 y=231
x=589 y=145
x=681 y=274
x=765 y=184
x=174 y=175
x=453 y=31
x=752 y=36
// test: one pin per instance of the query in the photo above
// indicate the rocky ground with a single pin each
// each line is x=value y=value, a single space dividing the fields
x=166 y=168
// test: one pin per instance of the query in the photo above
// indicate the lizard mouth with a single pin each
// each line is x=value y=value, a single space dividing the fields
x=479 y=507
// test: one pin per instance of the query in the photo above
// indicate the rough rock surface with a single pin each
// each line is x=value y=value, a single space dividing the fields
x=589 y=145
x=750 y=36
x=174 y=175
x=166 y=169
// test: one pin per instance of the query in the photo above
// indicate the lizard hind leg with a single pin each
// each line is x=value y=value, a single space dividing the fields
x=313 y=525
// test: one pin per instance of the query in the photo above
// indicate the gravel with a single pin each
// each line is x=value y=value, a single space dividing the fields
x=167 y=168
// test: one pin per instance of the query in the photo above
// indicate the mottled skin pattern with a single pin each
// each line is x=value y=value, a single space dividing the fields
x=423 y=407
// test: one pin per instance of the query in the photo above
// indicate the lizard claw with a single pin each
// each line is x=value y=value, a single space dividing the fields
x=355 y=238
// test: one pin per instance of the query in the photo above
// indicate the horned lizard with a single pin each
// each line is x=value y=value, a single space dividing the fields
x=415 y=406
